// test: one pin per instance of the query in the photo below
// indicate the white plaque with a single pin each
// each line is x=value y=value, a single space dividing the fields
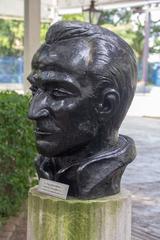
x=53 y=188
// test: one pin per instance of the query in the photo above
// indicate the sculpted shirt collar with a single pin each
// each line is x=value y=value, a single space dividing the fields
x=99 y=171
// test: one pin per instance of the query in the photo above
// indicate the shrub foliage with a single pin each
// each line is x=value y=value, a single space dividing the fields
x=17 y=151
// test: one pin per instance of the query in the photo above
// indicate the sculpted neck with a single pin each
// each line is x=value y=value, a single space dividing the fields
x=104 y=141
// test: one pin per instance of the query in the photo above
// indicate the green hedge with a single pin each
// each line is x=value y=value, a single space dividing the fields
x=17 y=152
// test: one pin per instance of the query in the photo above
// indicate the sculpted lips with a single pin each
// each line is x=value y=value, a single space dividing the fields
x=41 y=132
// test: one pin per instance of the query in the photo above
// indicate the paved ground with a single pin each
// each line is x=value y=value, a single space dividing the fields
x=142 y=177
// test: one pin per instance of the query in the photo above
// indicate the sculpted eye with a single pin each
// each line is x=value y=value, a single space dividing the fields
x=60 y=93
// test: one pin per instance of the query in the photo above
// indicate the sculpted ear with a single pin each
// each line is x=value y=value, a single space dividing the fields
x=109 y=102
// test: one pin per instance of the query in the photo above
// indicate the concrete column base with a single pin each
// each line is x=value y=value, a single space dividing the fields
x=51 y=218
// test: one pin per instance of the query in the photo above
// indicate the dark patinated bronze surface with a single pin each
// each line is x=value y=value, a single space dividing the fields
x=83 y=80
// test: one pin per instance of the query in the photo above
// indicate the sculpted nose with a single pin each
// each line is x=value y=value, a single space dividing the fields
x=33 y=115
x=37 y=109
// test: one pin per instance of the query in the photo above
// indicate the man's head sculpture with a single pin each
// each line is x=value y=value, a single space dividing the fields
x=83 y=81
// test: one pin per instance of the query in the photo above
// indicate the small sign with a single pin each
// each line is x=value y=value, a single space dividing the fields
x=56 y=189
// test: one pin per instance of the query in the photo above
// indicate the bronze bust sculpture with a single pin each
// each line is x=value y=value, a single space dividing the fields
x=83 y=80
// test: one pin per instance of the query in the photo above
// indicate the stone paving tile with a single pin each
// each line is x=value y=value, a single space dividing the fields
x=145 y=211
x=146 y=133
x=142 y=177
x=16 y=227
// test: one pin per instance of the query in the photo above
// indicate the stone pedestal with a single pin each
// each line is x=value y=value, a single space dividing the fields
x=51 y=218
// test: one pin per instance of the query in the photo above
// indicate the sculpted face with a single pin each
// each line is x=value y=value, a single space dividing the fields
x=63 y=104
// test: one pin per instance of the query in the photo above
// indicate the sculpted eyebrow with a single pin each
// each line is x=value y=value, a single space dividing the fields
x=51 y=79
x=31 y=78
x=57 y=78
x=45 y=66
x=61 y=85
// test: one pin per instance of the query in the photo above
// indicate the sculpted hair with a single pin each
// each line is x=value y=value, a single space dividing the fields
x=112 y=61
